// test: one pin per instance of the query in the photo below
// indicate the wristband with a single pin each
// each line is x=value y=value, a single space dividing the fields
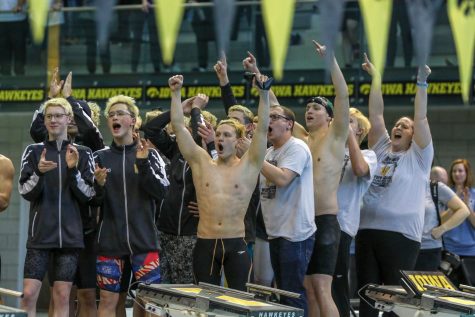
x=422 y=84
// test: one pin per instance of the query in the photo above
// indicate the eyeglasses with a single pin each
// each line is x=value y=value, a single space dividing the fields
x=275 y=117
x=119 y=113
x=56 y=116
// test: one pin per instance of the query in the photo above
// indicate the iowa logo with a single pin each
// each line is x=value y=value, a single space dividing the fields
x=384 y=170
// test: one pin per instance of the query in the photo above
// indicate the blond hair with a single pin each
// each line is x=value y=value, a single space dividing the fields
x=363 y=123
x=211 y=118
x=128 y=101
x=152 y=114
x=95 y=112
x=58 y=102
x=247 y=113
x=239 y=128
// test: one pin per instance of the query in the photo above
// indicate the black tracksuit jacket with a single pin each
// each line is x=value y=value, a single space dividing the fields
x=127 y=200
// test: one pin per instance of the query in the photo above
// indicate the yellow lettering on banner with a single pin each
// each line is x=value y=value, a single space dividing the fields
x=106 y=93
x=238 y=91
x=414 y=280
x=420 y=282
x=313 y=90
x=282 y=90
x=365 y=89
x=434 y=281
x=445 y=283
x=210 y=91
x=410 y=89
x=437 y=280
x=79 y=93
x=21 y=95
x=462 y=21
x=392 y=89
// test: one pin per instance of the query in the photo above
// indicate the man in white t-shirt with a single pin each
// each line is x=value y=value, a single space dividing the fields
x=287 y=205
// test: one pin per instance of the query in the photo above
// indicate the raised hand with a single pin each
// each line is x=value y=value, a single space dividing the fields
x=55 y=86
x=187 y=104
x=263 y=82
x=250 y=63
x=368 y=66
x=100 y=175
x=423 y=73
x=221 y=69
x=175 y=82
x=321 y=49
x=72 y=156
x=67 y=87
x=44 y=165
x=200 y=101
x=142 y=149
x=242 y=146
x=206 y=132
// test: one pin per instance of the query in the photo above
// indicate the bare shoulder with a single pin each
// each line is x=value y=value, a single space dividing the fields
x=6 y=165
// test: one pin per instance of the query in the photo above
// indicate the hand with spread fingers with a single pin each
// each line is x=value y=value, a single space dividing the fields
x=55 y=85
x=67 y=87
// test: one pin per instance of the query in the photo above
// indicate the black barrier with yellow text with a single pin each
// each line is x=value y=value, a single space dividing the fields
x=149 y=93
x=417 y=280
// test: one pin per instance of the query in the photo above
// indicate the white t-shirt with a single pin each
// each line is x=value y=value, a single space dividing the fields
x=395 y=200
x=430 y=216
x=289 y=211
x=351 y=191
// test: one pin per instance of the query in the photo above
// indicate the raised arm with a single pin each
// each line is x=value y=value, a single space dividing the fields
x=227 y=96
x=257 y=149
x=188 y=148
x=358 y=163
x=341 y=118
x=250 y=65
x=7 y=171
x=422 y=135
x=376 y=104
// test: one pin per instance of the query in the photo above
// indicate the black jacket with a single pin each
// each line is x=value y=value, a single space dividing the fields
x=174 y=217
x=88 y=135
x=55 y=220
x=127 y=200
